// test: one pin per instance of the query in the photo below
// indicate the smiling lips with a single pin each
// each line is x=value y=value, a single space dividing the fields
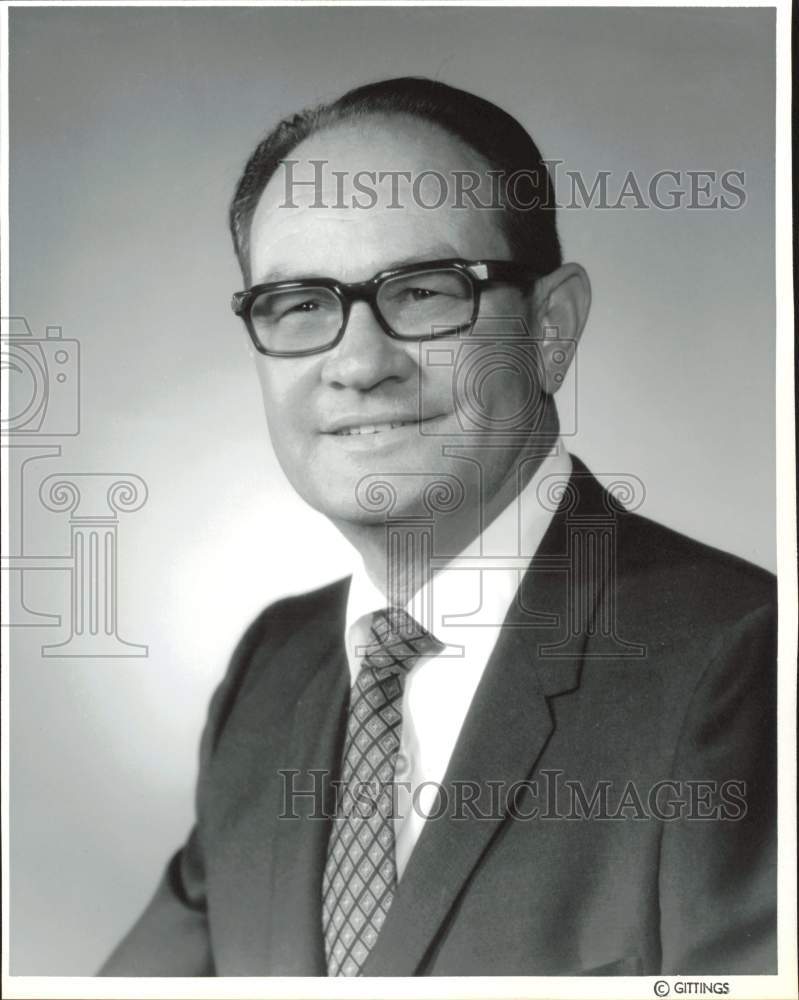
x=374 y=428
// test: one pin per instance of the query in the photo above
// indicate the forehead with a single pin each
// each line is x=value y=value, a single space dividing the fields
x=363 y=196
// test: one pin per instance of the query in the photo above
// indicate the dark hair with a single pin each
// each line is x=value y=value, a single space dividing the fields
x=491 y=132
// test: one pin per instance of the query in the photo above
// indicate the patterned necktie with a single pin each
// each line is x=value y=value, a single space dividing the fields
x=360 y=875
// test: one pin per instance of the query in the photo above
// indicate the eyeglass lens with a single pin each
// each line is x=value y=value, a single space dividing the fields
x=415 y=305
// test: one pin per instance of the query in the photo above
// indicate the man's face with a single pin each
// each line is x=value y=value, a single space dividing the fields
x=370 y=380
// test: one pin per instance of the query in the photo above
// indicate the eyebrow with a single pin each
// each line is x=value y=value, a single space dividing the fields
x=437 y=252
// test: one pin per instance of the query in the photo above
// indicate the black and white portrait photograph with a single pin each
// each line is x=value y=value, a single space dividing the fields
x=399 y=539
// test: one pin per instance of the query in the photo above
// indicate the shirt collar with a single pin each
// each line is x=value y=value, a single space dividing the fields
x=516 y=531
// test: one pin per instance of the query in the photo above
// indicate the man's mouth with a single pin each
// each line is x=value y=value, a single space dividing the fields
x=374 y=428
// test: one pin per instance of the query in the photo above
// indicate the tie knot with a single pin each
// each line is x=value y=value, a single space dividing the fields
x=398 y=640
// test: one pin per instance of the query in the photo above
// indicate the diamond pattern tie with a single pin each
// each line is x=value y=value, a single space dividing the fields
x=360 y=875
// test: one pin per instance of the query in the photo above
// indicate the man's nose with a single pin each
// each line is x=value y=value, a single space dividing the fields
x=366 y=356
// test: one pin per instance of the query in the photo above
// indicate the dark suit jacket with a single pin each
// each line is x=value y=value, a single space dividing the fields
x=653 y=663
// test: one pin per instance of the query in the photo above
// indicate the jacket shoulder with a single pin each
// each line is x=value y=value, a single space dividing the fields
x=656 y=565
x=321 y=607
x=310 y=612
x=683 y=573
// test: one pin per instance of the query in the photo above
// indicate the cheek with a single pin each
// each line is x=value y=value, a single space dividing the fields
x=285 y=399
x=437 y=386
x=516 y=397
x=497 y=385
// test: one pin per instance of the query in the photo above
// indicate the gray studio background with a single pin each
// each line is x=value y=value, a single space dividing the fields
x=128 y=130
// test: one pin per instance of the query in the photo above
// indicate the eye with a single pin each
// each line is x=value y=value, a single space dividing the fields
x=309 y=305
x=417 y=294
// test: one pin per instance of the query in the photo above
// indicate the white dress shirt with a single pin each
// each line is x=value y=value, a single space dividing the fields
x=439 y=689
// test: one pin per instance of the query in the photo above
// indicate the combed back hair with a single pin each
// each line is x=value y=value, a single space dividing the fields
x=497 y=138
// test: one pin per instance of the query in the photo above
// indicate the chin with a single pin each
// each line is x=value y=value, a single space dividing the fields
x=372 y=502
x=337 y=503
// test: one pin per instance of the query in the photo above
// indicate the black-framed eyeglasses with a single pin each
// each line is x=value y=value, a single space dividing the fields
x=439 y=298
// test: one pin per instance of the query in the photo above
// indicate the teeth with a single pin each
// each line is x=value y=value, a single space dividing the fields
x=371 y=428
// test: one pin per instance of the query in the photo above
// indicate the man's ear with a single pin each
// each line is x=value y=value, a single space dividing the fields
x=562 y=300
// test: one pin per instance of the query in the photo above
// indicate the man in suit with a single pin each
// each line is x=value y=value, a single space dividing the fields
x=535 y=733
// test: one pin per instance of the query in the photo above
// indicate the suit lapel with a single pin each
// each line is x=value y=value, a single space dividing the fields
x=319 y=721
x=506 y=729
x=291 y=720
